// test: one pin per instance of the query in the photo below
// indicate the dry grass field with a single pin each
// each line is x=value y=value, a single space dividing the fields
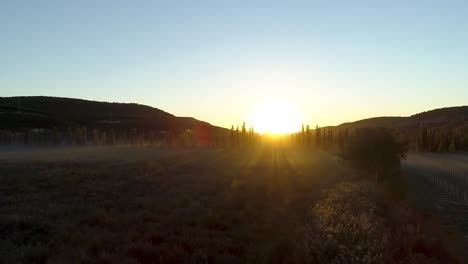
x=149 y=205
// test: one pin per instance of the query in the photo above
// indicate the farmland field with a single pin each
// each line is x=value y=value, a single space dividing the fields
x=448 y=163
x=148 y=205
x=442 y=185
x=78 y=204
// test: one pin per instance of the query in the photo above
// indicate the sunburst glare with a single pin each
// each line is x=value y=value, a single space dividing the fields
x=276 y=117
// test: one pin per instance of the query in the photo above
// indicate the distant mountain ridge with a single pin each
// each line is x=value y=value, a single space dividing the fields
x=30 y=112
x=47 y=112
x=438 y=130
x=448 y=117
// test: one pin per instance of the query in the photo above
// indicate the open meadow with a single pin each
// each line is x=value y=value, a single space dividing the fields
x=148 y=205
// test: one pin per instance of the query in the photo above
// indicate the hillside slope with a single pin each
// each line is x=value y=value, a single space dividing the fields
x=449 y=117
x=47 y=112
x=439 y=130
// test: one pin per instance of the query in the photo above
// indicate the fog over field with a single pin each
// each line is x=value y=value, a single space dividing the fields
x=146 y=205
x=449 y=163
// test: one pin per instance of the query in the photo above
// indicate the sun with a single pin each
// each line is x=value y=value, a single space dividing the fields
x=275 y=118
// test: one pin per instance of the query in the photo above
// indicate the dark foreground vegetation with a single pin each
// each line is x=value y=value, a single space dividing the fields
x=271 y=204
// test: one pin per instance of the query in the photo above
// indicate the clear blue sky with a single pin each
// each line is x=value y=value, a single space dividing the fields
x=335 y=61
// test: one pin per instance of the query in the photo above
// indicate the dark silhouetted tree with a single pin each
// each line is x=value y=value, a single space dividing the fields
x=95 y=137
x=237 y=136
x=452 y=147
x=318 y=137
x=232 y=137
x=374 y=150
x=422 y=138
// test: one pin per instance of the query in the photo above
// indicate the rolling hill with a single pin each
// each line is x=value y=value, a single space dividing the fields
x=449 y=117
x=22 y=113
x=438 y=130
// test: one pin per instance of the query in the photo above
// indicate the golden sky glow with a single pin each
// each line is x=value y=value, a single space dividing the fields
x=216 y=62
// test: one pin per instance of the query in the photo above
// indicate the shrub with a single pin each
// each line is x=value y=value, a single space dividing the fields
x=374 y=150
x=344 y=227
x=353 y=223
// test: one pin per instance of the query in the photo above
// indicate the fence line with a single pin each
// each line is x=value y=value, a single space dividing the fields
x=449 y=192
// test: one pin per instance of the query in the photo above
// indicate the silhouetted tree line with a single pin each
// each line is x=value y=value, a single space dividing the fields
x=81 y=136
x=198 y=136
x=435 y=139
x=243 y=137
x=424 y=139
x=327 y=138
x=375 y=150
x=78 y=136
